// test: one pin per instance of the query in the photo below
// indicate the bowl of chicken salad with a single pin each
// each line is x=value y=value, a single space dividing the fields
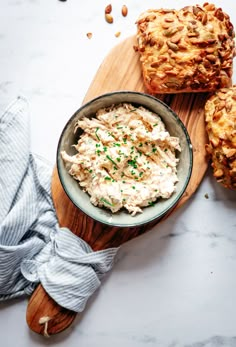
x=124 y=158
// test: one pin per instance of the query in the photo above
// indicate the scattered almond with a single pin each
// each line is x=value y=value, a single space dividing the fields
x=108 y=9
x=124 y=10
x=117 y=34
x=109 y=18
x=89 y=35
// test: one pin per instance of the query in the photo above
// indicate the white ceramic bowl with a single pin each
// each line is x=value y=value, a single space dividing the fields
x=122 y=218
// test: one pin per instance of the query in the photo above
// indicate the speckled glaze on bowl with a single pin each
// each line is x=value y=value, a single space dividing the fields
x=122 y=218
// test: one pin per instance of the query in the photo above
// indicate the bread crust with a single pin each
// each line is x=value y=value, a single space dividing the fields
x=186 y=50
x=220 y=116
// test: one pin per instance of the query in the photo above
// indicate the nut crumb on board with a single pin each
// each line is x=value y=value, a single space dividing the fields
x=117 y=34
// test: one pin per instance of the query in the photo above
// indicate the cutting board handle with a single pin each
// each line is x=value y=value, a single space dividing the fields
x=44 y=316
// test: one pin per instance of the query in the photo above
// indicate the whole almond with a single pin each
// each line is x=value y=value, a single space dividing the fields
x=108 y=9
x=108 y=18
x=124 y=10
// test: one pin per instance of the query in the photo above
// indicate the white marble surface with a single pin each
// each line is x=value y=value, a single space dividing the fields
x=172 y=287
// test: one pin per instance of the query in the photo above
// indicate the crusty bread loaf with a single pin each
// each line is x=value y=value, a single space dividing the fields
x=220 y=116
x=187 y=50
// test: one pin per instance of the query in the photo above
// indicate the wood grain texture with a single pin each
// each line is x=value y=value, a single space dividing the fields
x=120 y=70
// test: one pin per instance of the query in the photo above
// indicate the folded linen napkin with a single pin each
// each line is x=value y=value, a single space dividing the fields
x=33 y=248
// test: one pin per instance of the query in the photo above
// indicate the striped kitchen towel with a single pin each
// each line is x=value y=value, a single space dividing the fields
x=33 y=248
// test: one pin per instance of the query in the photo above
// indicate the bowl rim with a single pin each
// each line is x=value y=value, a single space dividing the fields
x=154 y=217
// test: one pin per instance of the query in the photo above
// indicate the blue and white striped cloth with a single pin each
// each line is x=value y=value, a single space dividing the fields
x=33 y=248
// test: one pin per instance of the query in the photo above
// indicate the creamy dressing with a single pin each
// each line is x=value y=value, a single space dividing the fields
x=125 y=158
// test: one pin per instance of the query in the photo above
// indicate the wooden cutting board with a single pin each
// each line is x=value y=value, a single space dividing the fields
x=120 y=70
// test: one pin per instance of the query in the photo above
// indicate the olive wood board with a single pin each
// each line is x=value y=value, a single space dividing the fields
x=120 y=70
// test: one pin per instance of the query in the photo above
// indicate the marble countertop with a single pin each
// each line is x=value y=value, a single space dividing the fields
x=175 y=286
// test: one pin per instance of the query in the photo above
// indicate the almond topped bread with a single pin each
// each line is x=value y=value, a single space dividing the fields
x=220 y=116
x=186 y=50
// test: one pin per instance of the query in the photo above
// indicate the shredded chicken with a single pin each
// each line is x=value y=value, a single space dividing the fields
x=125 y=158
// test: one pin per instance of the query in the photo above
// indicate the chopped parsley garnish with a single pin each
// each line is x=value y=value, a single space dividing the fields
x=97 y=134
x=154 y=150
x=108 y=157
x=133 y=163
x=151 y=203
x=110 y=134
x=118 y=159
x=107 y=178
x=106 y=202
